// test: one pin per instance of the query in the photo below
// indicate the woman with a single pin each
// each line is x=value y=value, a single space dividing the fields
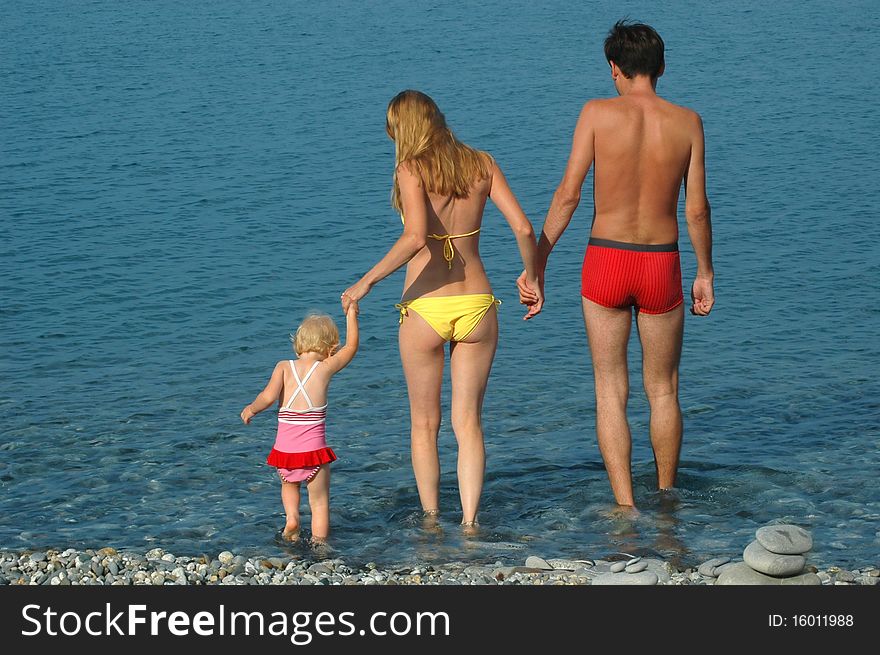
x=440 y=189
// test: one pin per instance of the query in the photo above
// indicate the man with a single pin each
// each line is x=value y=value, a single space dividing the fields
x=644 y=148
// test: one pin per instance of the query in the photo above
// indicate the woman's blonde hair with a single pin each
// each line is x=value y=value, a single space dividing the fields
x=317 y=333
x=445 y=165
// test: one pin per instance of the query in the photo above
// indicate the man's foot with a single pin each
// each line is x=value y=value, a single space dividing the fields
x=620 y=512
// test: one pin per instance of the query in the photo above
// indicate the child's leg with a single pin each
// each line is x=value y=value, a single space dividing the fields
x=319 y=501
x=290 y=500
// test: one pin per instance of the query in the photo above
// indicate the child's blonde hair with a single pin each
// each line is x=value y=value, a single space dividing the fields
x=317 y=333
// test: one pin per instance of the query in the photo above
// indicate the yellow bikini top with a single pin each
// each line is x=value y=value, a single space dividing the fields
x=448 y=250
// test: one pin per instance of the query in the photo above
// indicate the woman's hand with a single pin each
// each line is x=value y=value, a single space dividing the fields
x=531 y=293
x=247 y=414
x=354 y=294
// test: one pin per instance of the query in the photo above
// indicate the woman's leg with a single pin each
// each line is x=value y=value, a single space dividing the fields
x=290 y=500
x=421 y=352
x=470 y=363
x=319 y=502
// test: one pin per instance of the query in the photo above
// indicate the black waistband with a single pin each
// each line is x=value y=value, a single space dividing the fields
x=640 y=247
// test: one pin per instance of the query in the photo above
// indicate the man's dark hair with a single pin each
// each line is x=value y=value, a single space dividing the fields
x=636 y=48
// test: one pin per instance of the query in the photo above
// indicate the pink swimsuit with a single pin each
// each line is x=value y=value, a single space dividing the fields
x=300 y=446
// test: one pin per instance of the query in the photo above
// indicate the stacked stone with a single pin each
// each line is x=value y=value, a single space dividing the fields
x=776 y=557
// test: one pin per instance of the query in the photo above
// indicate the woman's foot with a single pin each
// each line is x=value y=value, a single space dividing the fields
x=431 y=519
x=470 y=528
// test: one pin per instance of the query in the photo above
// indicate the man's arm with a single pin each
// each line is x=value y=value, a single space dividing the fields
x=565 y=200
x=699 y=224
x=568 y=193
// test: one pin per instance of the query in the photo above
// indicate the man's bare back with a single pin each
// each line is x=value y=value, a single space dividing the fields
x=642 y=148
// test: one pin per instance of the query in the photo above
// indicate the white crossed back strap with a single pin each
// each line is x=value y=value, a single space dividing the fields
x=301 y=385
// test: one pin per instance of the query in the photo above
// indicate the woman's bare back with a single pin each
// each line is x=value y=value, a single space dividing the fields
x=429 y=273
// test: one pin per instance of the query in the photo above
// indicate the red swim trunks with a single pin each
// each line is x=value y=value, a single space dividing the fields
x=645 y=276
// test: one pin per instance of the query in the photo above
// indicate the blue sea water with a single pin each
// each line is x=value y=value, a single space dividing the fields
x=181 y=182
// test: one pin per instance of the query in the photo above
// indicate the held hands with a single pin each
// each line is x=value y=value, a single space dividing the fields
x=531 y=293
x=247 y=414
x=702 y=295
x=354 y=294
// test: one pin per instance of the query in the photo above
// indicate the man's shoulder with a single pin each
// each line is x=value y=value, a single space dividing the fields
x=600 y=104
x=685 y=112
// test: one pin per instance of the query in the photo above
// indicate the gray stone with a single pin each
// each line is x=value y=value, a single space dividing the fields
x=617 y=567
x=741 y=573
x=225 y=557
x=97 y=569
x=535 y=562
x=784 y=539
x=568 y=564
x=720 y=569
x=38 y=557
x=708 y=568
x=763 y=561
x=113 y=567
x=662 y=570
x=805 y=579
x=845 y=576
x=638 y=567
x=645 y=578
x=634 y=560
x=503 y=572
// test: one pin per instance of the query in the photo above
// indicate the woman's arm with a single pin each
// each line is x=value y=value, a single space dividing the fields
x=342 y=358
x=508 y=205
x=267 y=396
x=415 y=234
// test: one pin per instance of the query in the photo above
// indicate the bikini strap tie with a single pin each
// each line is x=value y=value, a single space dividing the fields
x=448 y=250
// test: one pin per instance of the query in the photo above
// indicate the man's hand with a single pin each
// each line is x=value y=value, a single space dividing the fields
x=702 y=295
x=531 y=294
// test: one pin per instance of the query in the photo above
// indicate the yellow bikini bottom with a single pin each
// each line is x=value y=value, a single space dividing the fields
x=452 y=317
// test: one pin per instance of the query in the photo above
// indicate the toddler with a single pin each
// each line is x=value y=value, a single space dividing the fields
x=299 y=387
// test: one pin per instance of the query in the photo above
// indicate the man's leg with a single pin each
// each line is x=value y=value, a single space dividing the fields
x=661 y=336
x=608 y=334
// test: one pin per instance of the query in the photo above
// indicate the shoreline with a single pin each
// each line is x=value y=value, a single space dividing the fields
x=107 y=566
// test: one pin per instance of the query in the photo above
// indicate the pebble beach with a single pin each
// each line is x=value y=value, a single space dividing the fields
x=106 y=566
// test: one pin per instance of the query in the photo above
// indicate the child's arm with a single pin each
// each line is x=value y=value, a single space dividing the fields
x=267 y=396
x=344 y=355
